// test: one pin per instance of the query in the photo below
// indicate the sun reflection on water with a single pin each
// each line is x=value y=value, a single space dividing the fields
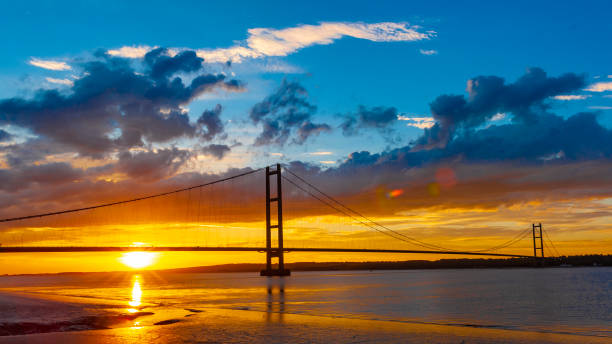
x=136 y=295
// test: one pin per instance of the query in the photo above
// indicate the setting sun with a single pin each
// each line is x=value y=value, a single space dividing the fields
x=138 y=260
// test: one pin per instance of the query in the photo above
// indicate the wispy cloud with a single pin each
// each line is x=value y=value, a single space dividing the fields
x=320 y=153
x=599 y=107
x=66 y=82
x=327 y=162
x=263 y=42
x=600 y=87
x=49 y=64
x=418 y=122
x=498 y=116
x=131 y=51
x=428 y=52
x=572 y=97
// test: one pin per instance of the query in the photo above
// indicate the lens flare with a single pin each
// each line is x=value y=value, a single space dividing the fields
x=138 y=260
x=395 y=193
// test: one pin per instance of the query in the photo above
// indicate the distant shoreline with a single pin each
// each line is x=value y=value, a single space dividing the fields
x=467 y=263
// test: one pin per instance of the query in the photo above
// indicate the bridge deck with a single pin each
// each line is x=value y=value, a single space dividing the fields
x=43 y=249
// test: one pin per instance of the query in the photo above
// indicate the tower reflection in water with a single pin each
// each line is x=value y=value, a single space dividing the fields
x=276 y=299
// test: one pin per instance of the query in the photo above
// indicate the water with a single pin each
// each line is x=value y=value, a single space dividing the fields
x=556 y=300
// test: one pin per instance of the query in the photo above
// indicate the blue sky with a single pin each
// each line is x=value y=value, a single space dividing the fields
x=471 y=39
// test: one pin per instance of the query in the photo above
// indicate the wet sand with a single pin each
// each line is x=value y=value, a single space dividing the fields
x=243 y=326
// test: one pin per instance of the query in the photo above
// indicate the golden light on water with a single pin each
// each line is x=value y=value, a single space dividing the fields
x=138 y=260
x=136 y=293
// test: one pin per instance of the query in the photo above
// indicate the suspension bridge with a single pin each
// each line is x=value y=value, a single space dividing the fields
x=229 y=211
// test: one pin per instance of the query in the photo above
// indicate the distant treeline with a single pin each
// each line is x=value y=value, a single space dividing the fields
x=586 y=260
x=478 y=263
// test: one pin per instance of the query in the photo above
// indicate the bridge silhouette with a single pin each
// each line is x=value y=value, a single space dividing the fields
x=274 y=244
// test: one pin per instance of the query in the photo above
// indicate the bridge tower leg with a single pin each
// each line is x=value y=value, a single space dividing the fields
x=538 y=243
x=277 y=252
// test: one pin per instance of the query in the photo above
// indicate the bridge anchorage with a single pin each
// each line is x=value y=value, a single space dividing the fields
x=276 y=252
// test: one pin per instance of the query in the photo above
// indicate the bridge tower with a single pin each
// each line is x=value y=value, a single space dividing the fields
x=278 y=251
x=537 y=237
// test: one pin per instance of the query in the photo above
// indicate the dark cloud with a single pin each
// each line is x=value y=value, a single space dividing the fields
x=308 y=129
x=548 y=137
x=537 y=156
x=488 y=95
x=20 y=177
x=163 y=65
x=378 y=117
x=152 y=165
x=215 y=150
x=4 y=135
x=113 y=107
x=30 y=151
x=210 y=119
x=284 y=112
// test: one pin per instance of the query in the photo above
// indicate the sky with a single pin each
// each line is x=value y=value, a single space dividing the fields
x=444 y=120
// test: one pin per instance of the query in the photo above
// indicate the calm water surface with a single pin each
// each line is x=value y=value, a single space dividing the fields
x=574 y=300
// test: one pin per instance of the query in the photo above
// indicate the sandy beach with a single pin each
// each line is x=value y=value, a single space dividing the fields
x=238 y=326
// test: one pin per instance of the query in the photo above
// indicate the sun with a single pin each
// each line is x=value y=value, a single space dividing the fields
x=138 y=260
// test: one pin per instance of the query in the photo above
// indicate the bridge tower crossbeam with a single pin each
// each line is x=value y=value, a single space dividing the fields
x=274 y=252
x=537 y=239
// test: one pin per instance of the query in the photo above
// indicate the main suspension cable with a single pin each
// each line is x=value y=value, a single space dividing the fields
x=510 y=242
x=129 y=200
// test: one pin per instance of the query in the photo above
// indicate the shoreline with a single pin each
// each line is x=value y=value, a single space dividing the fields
x=233 y=325
x=115 y=324
x=441 y=264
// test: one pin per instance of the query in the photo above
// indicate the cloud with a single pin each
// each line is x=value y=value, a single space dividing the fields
x=284 y=112
x=428 y=52
x=49 y=64
x=308 y=129
x=131 y=51
x=378 y=117
x=20 y=177
x=541 y=156
x=263 y=42
x=600 y=107
x=489 y=95
x=271 y=42
x=572 y=97
x=152 y=165
x=216 y=150
x=498 y=116
x=210 y=119
x=600 y=87
x=66 y=82
x=114 y=107
x=162 y=64
x=417 y=122
x=320 y=153
x=5 y=136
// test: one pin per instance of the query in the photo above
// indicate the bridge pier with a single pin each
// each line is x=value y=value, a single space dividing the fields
x=277 y=252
